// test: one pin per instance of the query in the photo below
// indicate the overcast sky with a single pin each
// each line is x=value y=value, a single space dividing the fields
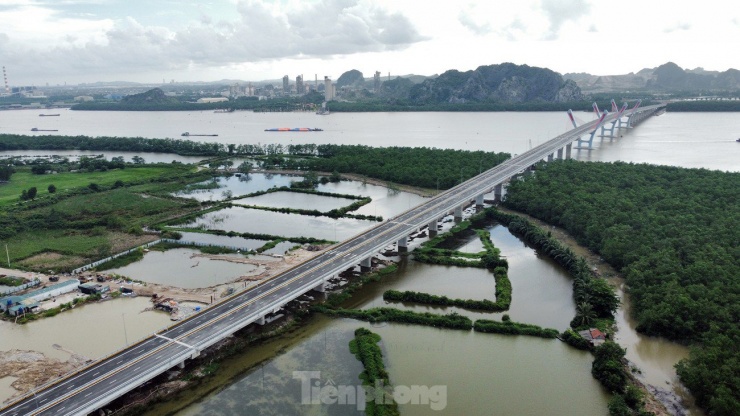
x=74 y=41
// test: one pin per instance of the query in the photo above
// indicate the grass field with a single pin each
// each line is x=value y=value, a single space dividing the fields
x=78 y=225
x=65 y=182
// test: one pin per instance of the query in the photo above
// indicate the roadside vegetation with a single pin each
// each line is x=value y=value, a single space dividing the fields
x=673 y=233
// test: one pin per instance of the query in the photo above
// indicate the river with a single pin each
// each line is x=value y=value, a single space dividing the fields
x=473 y=366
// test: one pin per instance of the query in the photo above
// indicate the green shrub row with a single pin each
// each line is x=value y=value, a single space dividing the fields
x=365 y=347
x=451 y=321
x=513 y=328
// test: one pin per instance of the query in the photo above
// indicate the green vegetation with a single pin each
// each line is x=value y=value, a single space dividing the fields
x=709 y=105
x=121 y=261
x=25 y=318
x=451 y=321
x=673 y=233
x=11 y=281
x=404 y=165
x=513 y=328
x=572 y=338
x=91 y=215
x=593 y=295
x=365 y=347
x=67 y=183
x=427 y=299
x=429 y=252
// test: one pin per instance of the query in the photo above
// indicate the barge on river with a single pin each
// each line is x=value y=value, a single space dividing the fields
x=294 y=129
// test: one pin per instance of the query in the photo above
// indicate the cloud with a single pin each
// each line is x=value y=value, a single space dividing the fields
x=466 y=19
x=559 y=12
x=677 y=27
x=260 y=31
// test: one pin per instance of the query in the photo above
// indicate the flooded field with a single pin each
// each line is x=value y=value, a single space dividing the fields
x=296 y=200
x=236 y=185
x=105 y=327
x=186 y=268
x=244 y=220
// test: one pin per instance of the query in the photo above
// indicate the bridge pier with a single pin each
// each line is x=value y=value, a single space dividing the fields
x=560 y=153
x=260 y=320
x=550 y=157
x=568 y=148
x=321 y=287
x=458 y=213
x=479 y=201
x=432 y=228
x=181 y=365
x=367 y=264
x=403 y=244
x=498 y=192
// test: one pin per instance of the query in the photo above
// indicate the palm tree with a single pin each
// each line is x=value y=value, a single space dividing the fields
x=585 y=314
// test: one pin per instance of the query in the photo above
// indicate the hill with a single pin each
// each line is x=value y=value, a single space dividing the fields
x=152 y=97
x=668 y=77
x=506 y=82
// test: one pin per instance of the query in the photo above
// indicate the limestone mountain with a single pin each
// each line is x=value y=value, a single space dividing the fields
x=352 y=78
x=496 y=83
x=153 y=96
x=667 y=77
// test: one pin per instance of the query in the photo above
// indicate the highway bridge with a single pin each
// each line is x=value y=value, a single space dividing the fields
x=92 y=387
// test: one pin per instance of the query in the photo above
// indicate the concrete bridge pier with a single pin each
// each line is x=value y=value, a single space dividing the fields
x=550 y=157
x=260 y=320
x=321 y=287
x=458 y=213
x=498 y=192
x=432 y=228
x=367 y=264
x=403 y=244
x=568 y=148
x=560 y=153
x=479 y=201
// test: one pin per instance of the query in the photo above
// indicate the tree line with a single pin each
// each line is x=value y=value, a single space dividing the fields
x=673 y=233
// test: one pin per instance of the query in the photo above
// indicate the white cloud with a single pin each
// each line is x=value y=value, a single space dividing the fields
x=91 y=40
x=561 y=11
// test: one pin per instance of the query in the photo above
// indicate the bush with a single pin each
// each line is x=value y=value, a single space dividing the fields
x=608 y=367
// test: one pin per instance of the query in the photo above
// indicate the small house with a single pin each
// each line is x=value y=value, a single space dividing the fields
x=93 y=288
x=594 y=336
x=18 y=305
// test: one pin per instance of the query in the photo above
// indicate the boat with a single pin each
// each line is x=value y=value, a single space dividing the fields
x=48 y=115
x=224 y=110
x=188 y=134
x=38 y=129
x=294 y=129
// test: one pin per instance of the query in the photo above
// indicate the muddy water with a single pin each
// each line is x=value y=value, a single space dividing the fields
x=184 y=267
x=106 y=327
x=223 y=240
x=385 y=203
x=296 y=200
x=5 y=390
x=654 y=357
x=483 y=373
x=275 y=223
x=239 y=185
